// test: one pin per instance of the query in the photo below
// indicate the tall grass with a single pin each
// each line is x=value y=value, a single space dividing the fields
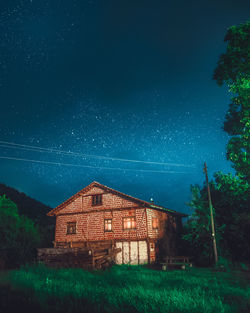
x=123 y=289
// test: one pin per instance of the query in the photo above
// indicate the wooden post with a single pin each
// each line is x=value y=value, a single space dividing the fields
x=211 y=215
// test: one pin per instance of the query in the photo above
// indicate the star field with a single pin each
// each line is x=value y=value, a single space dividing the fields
x=116 y=80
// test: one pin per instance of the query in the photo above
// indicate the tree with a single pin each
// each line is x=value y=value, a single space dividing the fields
x=235 y=62
x=18 y=235
x=233 y=69
x=238 y=125
x=197 y=231
x=231 y=200
x=230 y=194
x=232 y=220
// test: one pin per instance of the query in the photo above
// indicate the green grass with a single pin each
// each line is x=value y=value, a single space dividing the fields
x=123 y=289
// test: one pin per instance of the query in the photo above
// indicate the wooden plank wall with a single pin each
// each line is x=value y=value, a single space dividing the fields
x=133 y=252
x=96 y=255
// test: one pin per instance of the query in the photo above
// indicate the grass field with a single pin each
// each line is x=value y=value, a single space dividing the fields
x=123 y=289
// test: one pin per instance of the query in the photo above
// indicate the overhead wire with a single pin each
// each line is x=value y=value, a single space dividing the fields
x=13 y=145
x=89 y=166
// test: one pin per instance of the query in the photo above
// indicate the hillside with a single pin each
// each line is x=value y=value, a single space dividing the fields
x=28 y=206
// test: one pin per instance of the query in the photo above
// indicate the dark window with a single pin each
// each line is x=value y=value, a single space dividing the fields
x=71 y=228
x=129 y=223
x=96 y=199
x=155 y=223
x=108 y=225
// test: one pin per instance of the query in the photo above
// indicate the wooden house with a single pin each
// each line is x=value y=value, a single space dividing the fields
x=98 y=214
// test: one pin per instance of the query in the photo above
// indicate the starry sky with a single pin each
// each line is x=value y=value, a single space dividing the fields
x=115 y=91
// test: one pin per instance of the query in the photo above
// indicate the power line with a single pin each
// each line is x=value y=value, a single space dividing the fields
x=12 y=145
x=90 y=166
x=23 y=148
x=62 y=152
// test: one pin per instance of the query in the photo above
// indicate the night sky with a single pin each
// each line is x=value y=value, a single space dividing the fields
x=89 y=87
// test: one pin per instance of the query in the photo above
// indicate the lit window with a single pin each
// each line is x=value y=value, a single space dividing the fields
x=129 y=223
x=97 y=199
x=71 y=228
x=108 y=225
x=155 y=223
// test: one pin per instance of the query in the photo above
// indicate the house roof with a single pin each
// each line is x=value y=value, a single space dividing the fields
x=123 y=195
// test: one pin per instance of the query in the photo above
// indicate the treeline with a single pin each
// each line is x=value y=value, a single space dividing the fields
x=230 y=193
x=230 y=199
x=24 y=227
x=26 y=205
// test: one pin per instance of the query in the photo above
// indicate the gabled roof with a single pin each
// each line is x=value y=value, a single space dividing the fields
x=118 y=193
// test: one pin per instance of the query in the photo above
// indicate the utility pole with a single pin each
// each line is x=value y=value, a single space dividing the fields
x=211 y=215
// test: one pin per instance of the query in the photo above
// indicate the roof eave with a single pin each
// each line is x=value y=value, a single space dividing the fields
x=165 y=210
x=94 y=183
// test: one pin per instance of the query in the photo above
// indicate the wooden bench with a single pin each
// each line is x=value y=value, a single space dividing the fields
x=173 y=261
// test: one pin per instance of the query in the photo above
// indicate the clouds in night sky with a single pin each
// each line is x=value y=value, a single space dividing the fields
x=125 y=79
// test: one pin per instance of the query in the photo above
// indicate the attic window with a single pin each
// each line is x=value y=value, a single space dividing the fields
x=97 y=199
x=71 y=228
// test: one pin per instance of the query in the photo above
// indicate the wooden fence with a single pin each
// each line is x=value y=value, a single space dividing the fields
x=88 y=258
